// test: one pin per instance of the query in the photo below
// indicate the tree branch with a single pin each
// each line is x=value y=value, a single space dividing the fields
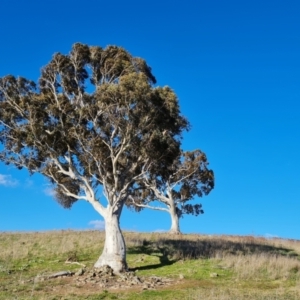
x=148 y=206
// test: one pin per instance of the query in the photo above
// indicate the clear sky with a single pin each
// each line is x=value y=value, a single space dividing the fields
x=235 y=66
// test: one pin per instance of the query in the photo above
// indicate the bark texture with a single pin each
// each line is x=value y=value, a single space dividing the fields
x=114 y=251
x=174 y=219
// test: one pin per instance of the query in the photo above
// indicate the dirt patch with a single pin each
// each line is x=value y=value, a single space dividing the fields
x=99 y=279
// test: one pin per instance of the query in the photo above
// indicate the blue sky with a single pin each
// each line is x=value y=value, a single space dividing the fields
x=235 y=66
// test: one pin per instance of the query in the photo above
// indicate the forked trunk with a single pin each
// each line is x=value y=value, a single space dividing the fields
x=174 y=220
x=114 y=252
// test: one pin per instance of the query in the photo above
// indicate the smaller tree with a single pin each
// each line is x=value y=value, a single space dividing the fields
x=175 y=186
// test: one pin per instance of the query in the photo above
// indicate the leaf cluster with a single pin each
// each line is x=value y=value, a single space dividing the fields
x=180 y=182
x=93 y=118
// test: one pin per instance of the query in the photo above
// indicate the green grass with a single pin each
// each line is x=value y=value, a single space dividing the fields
x=199 y=267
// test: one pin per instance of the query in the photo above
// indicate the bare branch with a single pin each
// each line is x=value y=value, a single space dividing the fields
x=148 y=206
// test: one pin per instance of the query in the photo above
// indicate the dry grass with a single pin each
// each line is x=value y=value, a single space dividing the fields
x=203 y=246
x=247 y=267
x=21 y=245
x=262 y=266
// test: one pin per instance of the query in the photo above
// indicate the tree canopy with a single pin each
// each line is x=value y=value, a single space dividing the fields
x=93 y=119
x=175 y=186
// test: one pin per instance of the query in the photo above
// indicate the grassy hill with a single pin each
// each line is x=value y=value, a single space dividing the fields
x=180 y=267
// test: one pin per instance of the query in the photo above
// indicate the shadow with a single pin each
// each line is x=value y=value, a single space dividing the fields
x=170 y=250
x=154 y=250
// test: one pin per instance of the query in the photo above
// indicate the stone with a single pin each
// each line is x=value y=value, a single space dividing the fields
x=80 y=272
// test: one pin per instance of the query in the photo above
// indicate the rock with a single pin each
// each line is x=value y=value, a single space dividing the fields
x=104 y=277
x=80 y=272
x=123 y=278
x=104 y=270
x=62 y=273
x=155 y=279
x=136 y=280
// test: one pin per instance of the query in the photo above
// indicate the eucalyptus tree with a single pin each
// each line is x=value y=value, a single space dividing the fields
x=174 y=186
x=93 y=121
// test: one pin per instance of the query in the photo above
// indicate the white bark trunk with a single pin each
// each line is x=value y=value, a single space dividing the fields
x=174 y=220
x=114 y=252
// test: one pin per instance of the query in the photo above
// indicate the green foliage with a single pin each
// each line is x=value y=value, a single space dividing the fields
x=93 y=118
x=185 y=178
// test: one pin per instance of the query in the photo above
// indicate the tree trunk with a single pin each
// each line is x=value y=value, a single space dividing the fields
x=174 y=220
x=114 y=252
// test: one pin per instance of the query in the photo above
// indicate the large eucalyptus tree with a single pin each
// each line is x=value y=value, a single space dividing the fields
x=94 y=119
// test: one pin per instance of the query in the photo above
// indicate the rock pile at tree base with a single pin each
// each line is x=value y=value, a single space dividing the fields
x=104 y=277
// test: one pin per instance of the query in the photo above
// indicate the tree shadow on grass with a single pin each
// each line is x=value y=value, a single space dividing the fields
x=169 y=251
x=152 y=249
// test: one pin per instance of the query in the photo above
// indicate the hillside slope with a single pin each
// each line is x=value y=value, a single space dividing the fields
x=161 y=267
